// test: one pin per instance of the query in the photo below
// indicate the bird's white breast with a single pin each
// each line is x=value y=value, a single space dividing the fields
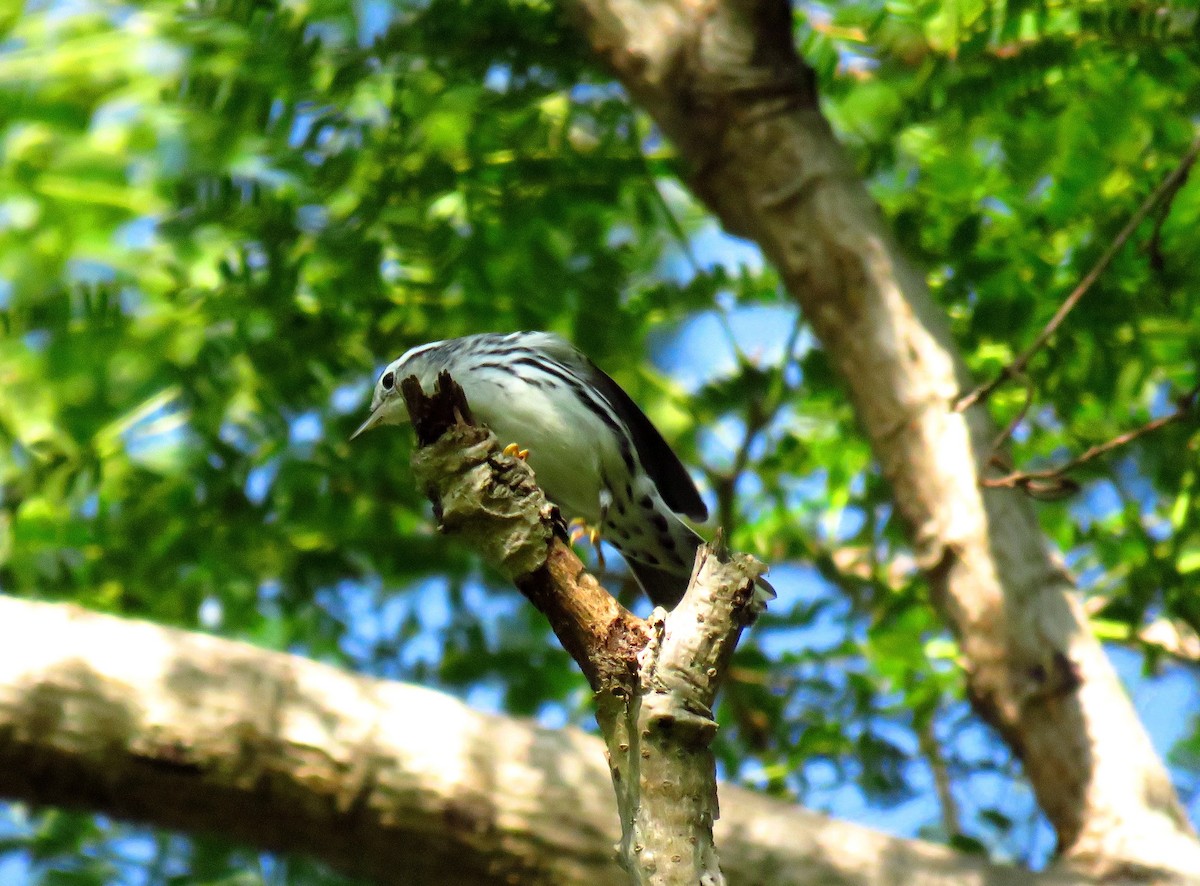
x=568 y=444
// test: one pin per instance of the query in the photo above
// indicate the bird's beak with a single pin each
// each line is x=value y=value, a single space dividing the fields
x=372 y=420
x=391 y=411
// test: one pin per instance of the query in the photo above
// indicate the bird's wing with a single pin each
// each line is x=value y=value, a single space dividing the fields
x=664 y=587
x=660 y=461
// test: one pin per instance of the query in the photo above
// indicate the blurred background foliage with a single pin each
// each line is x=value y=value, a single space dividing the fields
x=219 y=218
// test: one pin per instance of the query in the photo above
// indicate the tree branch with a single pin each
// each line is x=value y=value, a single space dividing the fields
x=1053 y=482
x=380 y=780
x=654 y=681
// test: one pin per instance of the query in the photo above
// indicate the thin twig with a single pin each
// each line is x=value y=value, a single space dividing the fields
x=759 y=417
x=1003 y=436
x=932 y=751
x=1154 y=247
x=673 y=223
x=772 y=403
x=1053 y=481
x=1165 y=189
x=779 y=383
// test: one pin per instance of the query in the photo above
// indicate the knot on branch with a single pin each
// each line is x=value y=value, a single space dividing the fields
x=478 y=492
x=689 y=728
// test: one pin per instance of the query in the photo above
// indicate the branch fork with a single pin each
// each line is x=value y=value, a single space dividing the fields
x=655 y=680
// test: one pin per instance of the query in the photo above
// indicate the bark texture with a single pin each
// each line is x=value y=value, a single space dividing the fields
x=723 y=81
x=659 y=736
x=382 y=780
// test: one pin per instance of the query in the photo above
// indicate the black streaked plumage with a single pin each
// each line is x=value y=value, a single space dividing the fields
x=593 y=450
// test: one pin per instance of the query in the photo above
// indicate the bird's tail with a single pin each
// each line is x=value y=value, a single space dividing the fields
x=664 y=587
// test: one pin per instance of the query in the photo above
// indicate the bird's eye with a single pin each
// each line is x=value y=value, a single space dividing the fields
x=388 y=381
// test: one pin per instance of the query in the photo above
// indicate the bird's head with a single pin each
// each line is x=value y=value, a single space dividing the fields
x=387 y=403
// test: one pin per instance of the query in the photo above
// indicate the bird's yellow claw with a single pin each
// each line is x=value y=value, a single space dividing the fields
x=515 y=450
x=593 y=535
x=579 y=530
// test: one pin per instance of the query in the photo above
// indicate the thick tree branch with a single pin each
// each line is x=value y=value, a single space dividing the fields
x=394 y=783
x=724 y=82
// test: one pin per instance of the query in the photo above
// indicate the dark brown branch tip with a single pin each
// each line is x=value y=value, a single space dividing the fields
x=435 y=414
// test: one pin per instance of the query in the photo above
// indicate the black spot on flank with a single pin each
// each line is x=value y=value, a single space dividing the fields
x=646 y=503
x=619 y=507
x=650 y=560
x=628 y=490
x=617 y=532
x=660 y=523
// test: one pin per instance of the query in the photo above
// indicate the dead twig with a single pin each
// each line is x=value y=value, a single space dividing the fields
x=1165 y=191
x=1154 y=247
x=1003 y=436
x=1053 y=482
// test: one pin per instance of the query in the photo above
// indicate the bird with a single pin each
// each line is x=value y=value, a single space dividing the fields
x=593 y=451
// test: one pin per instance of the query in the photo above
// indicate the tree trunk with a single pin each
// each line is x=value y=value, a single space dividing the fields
x=390 y=782
x=724 y=82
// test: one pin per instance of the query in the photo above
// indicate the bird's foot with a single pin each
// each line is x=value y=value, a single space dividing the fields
x=594 y=538
x=579 y=529
x=515 y=450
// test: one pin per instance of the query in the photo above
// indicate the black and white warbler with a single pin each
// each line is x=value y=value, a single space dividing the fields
x=593 y=451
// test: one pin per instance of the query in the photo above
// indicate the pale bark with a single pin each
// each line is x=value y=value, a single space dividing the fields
x=659 y=733
x=723 y=81
x=382 y=780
